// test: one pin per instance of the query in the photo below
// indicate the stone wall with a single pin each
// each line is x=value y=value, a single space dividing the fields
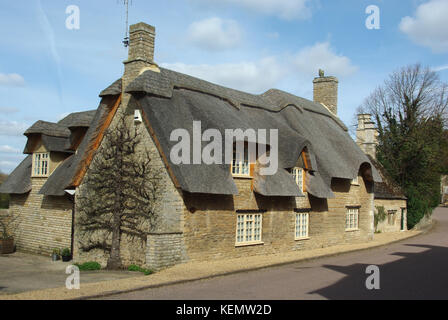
x=169 y=210
x=44 y=222
x=392 y=223
x=210 y=221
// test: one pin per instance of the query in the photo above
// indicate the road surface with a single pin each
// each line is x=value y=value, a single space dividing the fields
x=416 y=268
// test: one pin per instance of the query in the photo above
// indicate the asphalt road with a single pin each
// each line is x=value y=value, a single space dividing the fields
x=416 y=268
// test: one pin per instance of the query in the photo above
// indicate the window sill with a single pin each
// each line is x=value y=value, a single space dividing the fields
x=39 y=176
x=238 y=176
x=351 y=230
x=248 y=244
x=302 y=239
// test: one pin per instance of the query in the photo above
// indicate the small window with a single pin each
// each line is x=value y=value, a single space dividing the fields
x=355 y=181
x=297 y=174
x=241 y=167
x=248 y=229
x=302 y=225
x=351 y=219
x=391 y=217
x=40 y=164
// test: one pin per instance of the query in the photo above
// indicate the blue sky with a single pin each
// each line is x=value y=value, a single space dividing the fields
x=48 y=71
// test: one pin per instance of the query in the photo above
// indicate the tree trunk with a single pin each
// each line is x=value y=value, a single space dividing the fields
x=114 y=262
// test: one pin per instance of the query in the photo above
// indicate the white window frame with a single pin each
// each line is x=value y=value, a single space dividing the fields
x=249 y=229
x=41 y=164
x=297 y=174
x=241 y=168
x=302 y=225
x=352 y=219
x=355 y=181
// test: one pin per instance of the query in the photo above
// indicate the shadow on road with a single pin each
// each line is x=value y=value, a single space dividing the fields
x=418 y=275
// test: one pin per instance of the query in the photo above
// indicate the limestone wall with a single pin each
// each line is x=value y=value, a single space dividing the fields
x=393 y=209
x=44 y=222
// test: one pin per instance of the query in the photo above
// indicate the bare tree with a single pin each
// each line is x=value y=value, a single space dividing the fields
x=119 y=194
x=411 y=94
x=410 y=111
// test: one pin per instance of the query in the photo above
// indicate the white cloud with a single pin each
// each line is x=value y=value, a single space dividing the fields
x=8 y=149
x=440 y=68
x=321 y=56
x=272 y=72
x=284 y=9
x=215 y=34
x=12 y=128
x=7 y=166
x=8 y=110
x=429 y=27
x=11 y=79
x=253 y=77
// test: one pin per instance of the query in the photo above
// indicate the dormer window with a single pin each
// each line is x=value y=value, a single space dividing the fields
x=297 y=174
x=241 y=167
x=40 y=164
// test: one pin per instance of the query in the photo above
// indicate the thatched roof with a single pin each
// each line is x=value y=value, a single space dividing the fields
x=19 y=181
x=49 y=129
x=172 y=100
x=55 y=138
x=78 y=119
x=112 y=90
x=62 y=177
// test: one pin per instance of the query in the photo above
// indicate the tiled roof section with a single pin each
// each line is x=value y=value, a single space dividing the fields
x=387 y=189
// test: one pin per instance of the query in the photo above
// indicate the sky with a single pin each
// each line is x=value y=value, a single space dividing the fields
x=49 y=69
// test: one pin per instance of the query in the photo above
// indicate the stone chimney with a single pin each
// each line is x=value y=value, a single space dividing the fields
x=366 y=135
x=140 y=55
x=326 y=91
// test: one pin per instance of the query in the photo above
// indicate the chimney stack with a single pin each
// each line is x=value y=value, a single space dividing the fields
x=326 y=92
x=140 y=58
x=141 y=51
x=366 y=135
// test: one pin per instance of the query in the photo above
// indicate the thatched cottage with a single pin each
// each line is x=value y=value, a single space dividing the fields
x=322 y=193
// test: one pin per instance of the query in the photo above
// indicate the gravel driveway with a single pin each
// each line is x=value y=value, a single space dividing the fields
x=21 y=272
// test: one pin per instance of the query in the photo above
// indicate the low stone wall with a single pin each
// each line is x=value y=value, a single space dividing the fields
x=424 y=223
x=164 y=250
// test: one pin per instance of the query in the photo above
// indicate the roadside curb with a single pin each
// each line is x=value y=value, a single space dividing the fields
x=279 y=264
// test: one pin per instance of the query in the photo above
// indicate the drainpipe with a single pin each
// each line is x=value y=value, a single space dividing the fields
x=71 y=195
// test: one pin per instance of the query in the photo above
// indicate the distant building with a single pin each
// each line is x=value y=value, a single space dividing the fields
x=388 y=194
